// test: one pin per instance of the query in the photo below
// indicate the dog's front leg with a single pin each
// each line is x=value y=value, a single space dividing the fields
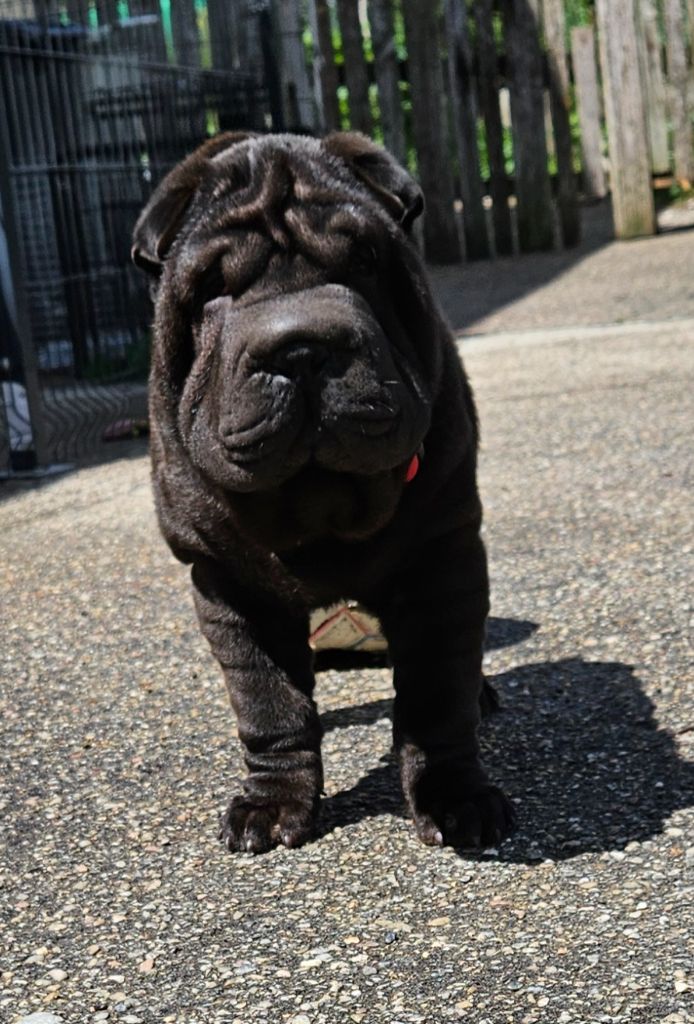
x=435 y=631
x=264 y=653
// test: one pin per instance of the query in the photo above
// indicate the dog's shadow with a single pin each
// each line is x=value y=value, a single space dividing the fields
x=576 y=745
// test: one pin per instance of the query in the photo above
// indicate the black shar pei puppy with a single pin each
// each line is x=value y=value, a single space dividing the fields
x=314 y=438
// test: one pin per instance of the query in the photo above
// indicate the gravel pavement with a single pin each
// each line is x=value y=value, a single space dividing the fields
x=118 y=904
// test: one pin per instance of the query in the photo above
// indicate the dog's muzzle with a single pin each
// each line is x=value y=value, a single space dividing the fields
x=309 y=379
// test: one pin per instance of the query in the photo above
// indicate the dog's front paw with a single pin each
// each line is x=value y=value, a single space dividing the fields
x=454 y=804
x=255 y=826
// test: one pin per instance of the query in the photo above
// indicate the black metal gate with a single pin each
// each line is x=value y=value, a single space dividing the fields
x=98 y=98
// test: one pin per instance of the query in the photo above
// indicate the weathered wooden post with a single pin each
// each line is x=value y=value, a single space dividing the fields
x=533 y=188
x=441 y=244
x=654 y=87
x=678 y=78
x=488 y=95
x=464 y=107
x=324 y=71
x=589 y=111
x=356 y=73
x=299 y=110
x=560 y=102
x=262 y=54
x=630 y=165
x=387 y=76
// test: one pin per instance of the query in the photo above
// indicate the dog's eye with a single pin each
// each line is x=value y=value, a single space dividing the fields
x=364 y=258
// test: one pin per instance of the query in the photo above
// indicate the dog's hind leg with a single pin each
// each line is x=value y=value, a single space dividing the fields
x=435 y=631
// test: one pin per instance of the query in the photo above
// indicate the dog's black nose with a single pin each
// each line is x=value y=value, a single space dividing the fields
x=300 y=359
x=309 y=336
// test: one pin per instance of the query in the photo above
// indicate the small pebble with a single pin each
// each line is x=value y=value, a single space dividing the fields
x=41 y=1018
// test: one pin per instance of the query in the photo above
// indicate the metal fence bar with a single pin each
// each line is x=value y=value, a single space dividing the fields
x=22 y=423
x=97 y=104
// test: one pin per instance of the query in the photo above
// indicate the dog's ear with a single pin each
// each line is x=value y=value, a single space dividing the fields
x=159 y=222
x=396 y=189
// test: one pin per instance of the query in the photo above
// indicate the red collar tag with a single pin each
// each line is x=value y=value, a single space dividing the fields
x=412 y=469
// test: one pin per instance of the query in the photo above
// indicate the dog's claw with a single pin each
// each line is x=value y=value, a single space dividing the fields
x=255 y=827
x=455 y=807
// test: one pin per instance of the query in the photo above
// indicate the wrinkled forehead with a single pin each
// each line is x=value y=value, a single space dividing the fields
x=264 y=182
x=258 y=149
x=292 y=157
x=262 y=204
x=283 y=195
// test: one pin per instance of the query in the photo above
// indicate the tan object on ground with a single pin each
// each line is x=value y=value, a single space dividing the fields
x=346 y=627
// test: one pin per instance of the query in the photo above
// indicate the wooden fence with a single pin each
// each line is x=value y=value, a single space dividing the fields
x=509 y=111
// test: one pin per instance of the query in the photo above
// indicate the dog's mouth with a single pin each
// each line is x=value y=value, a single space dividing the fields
x=355 y=443
x=315 y=442
x=349 y=442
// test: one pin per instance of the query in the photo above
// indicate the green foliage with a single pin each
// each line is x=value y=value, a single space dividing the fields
x=338 y=55
x=575 y=127
x=307 y=41
x=579 y=12
x=482 y=149
x=507 y=143
x=343 y=106
x=205 y=44
x=406 y=105
x=677 y=193
x=368 y=44
x=399 y=31
x=498 y=29
x=211 y=122
x=375 y=113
